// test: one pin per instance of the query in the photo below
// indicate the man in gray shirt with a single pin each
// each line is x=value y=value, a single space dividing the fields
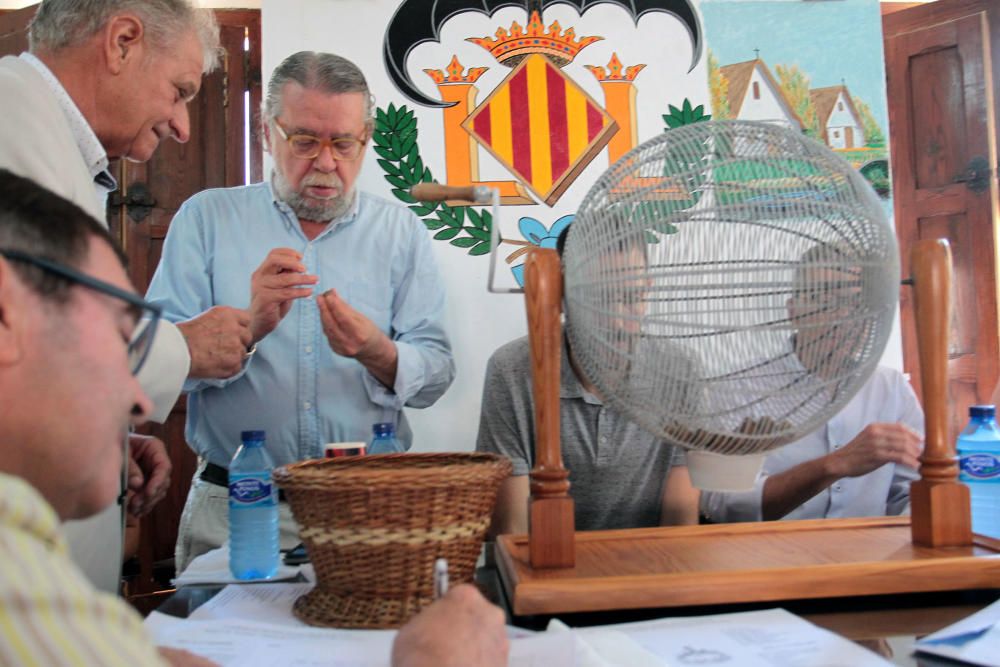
x=620 y=475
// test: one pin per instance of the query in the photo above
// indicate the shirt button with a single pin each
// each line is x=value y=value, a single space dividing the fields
x=309 y=349
x=307 y=405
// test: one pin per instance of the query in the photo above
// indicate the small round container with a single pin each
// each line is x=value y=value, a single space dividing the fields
x=335 y=450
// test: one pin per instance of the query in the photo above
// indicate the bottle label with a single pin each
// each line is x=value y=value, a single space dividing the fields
x=980 y=466
x=249 y=490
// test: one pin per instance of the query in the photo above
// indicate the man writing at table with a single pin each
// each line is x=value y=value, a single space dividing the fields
x=108 y=79
x=68 y=363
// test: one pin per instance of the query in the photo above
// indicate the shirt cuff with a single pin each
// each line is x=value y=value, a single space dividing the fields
x=734 y=506
x=197 y=384
x=162 y=375
x=409 y=379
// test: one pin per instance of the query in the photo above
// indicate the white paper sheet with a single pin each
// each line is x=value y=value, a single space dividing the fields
x=974 y=640
x=263 y=603
x=253 y=624
x=253 y=644
x=767 y=638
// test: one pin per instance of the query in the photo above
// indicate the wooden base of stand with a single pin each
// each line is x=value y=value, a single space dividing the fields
x=940 y=513
x=736 y=563
x=552 y=529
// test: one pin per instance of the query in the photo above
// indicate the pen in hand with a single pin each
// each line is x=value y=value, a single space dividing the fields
x=440 y=578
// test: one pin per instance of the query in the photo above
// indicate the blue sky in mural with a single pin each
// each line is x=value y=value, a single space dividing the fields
x=829 y=41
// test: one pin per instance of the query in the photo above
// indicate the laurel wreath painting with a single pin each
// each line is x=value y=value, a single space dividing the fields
x=395 y=142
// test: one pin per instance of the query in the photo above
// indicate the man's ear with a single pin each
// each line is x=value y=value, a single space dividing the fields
x=123 y=39
x=12 y=315
x=265 y=127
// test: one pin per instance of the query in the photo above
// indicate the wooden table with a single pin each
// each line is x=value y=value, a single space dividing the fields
x=886 y=624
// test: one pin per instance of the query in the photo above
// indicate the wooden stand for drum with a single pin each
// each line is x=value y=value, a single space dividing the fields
x=555 y=570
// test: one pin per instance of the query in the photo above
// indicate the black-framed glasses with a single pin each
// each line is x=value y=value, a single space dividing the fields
x=308 y=147
x=147 y=314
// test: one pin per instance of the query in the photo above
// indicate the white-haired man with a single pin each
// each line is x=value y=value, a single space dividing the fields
x=109 y=79
x=324 y=369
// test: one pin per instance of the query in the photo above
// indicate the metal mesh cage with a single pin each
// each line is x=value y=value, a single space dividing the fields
x=730 y=285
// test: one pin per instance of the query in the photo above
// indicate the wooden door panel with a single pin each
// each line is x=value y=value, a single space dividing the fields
x=14 y=30
x=942 y=116
x=964 y=325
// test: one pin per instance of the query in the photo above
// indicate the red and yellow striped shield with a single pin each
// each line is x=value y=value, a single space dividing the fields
x=542 y=126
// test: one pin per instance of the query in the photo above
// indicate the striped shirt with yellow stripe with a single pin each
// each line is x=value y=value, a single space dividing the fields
x=49 y=613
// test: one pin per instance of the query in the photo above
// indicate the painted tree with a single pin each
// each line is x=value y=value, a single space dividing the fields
x=718 y=86
x=795 y=84
x=874 y=137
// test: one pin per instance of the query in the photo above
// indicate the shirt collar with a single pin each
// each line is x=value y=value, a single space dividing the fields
x=289 y=214
x=87 y=142
x=25 y=509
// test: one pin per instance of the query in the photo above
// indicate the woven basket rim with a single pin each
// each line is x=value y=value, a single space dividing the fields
x=446 y=468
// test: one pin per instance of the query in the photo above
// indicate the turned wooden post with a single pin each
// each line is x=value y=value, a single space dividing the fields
x=550 y=512
x=939 y=503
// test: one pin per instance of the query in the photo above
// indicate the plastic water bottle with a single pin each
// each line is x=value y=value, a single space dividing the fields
x=384 y=439
x=979 y=456
x=253 y=511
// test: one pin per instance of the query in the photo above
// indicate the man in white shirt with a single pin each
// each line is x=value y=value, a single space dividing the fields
x=111 y=79
x=861 y=462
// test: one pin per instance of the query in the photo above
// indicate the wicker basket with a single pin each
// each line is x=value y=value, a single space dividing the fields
x=374 y=525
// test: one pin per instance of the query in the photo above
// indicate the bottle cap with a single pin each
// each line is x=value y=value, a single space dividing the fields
x=255 y=436
x=982 y=411
x=384 y=428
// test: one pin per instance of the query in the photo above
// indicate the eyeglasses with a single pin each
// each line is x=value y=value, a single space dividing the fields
x=308 y=147
x=147 y=314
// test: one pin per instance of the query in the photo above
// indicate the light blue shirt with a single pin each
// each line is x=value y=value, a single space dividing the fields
x=377 y=257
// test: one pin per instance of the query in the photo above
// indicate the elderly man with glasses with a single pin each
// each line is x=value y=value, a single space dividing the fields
x=345 y=301
x=108 y=79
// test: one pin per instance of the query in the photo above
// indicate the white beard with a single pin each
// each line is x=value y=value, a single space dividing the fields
x=311 y=209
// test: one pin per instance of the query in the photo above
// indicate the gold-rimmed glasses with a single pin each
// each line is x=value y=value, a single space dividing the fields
x=308 y=147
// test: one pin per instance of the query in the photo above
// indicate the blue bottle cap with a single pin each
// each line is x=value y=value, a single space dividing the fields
x=384 y=428
x=982 y=411
x=256 y=436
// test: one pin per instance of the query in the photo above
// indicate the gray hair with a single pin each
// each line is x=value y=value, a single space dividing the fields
x=325 y=72
x=59 y=24
x=38 y=222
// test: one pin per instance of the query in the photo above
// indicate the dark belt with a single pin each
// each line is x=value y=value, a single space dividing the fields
x=216 y=474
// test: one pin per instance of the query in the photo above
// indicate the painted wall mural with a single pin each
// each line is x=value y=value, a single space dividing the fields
x=539 y=124
x=538 y=98
x=544 y=129
x=818 y=67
